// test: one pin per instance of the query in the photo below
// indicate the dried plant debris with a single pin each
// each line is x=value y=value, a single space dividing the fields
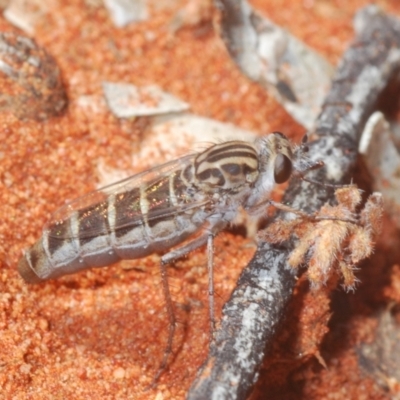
x=334 y=239
x=381 y=358
x=296 y=75
x=31 y=86
x=123 y=12
x=383 y=162
x=128 y=101
x=195 y=13
x=25 y=14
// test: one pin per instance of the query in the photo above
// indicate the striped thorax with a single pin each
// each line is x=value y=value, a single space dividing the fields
x=161 y=208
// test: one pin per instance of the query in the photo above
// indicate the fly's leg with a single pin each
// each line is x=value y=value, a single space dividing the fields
x=179 y=252
x=302 y=214
x=172 y=323
x=210 y=265
x=259 y=207
x=166 y=259
x=289 y=209
x=182 y=251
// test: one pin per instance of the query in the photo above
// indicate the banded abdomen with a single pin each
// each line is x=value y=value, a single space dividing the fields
x=128 y=225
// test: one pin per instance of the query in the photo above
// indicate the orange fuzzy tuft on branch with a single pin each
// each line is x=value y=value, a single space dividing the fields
x=334 y=239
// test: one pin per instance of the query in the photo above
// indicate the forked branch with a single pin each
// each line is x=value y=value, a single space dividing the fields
x=257 y=305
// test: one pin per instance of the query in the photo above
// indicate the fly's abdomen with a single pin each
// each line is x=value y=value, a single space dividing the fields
x=127 y=225
x=63 y=249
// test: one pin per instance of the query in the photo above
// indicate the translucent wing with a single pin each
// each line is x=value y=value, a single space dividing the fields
x=121 y=202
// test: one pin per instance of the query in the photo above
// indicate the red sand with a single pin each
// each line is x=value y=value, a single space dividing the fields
x=101 y=333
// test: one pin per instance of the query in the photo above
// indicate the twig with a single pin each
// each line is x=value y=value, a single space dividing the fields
x=257 y=305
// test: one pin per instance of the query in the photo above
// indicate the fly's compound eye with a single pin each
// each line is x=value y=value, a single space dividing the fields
x=282 y=168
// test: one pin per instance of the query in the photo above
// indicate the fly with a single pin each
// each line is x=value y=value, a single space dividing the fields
x=174 y=208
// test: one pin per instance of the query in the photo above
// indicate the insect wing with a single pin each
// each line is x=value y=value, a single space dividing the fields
x=122 y=203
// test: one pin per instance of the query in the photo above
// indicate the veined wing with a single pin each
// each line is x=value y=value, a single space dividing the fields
x=126 y=203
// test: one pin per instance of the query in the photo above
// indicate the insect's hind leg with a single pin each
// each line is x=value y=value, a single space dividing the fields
x=167 y=259
x=172 y=323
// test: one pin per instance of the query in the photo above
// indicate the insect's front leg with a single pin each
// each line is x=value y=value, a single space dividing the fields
x=258 y=208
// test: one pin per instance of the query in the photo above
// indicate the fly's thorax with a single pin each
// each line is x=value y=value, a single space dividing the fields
x=230 y=166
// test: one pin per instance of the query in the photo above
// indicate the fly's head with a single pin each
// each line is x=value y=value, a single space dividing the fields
x=275 y=157
x=278 y=162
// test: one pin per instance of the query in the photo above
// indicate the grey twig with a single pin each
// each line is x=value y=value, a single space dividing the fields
x=257 y=305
